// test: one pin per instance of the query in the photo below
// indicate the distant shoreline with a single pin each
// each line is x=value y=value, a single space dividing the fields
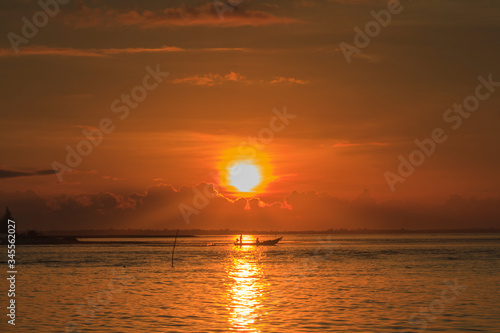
x=199 y=232
x=77 y=237
x=132 y=236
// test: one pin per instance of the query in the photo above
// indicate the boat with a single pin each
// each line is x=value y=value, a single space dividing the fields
x=263 y=243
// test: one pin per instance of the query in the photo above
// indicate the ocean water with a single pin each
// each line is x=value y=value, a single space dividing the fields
x=307 y=283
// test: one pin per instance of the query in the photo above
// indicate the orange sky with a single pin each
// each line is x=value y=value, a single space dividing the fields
x=226 y=75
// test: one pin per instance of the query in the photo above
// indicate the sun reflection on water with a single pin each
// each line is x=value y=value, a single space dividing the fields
x=246 y=291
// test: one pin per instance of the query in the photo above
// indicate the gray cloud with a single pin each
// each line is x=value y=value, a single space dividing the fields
x=14 y=173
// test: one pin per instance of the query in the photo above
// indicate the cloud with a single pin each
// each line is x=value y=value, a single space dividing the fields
x=72 y=52
x=42 y=50
x=223 y=49
x=347 y=144
x=163 y=49
x=217 y=79
x=158 y=208
x=290 y=80
x=212 y=79
x=14 y=173
x=50 y=51
x=204 y=15
x=358 y=2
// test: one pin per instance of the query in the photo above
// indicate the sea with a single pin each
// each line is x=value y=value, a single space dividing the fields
x=306 y=283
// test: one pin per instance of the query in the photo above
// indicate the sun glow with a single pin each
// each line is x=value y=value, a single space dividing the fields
x=245 y=170
x=244 y=176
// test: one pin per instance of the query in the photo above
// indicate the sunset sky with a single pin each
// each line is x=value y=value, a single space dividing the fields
x=229 y=76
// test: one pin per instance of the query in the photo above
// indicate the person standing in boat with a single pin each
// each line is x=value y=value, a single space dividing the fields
x=257 y=241
x=241 y=239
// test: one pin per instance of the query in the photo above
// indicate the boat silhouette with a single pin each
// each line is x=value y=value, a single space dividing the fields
x=263 y=243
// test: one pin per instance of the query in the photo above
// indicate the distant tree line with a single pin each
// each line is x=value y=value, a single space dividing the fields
x=4 y=224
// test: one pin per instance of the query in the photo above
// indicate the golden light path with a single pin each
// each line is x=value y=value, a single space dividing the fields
x=247 y=290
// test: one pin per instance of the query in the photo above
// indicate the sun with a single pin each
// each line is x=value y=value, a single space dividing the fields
x=244 y=176
x=245 y=170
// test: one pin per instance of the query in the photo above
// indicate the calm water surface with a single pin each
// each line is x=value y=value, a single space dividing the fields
x=307 y=283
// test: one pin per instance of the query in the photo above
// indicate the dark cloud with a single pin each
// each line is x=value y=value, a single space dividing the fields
x=185 y=15
x=14 y=173
x=158 y=208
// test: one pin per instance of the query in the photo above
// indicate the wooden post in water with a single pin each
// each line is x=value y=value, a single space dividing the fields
x=175 y=241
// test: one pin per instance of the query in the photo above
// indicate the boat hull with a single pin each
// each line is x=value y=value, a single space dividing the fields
x=264 y=243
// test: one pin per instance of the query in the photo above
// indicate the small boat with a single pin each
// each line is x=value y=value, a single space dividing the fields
x=263 y=243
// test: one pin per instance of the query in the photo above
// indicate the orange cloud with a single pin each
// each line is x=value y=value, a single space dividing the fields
x=212 y=79
x=289 y=80
x=143 y=50
x=216 y=79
